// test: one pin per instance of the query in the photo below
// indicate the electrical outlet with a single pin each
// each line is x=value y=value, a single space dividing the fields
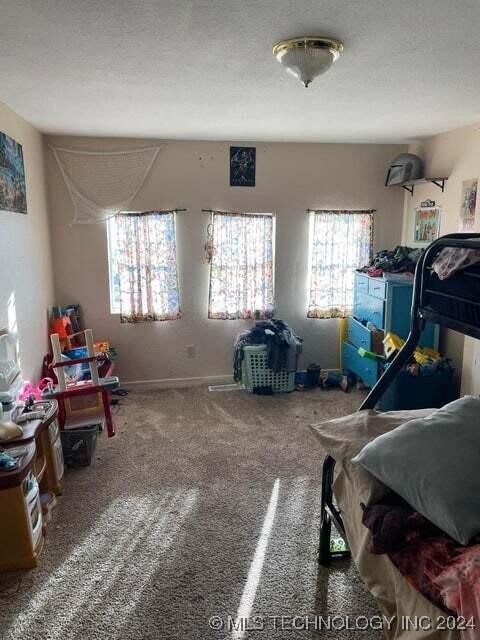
x=191 y=351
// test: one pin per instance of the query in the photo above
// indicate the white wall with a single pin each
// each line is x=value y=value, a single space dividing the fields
x=290 y=178
x=455 y=154
x=26 y=282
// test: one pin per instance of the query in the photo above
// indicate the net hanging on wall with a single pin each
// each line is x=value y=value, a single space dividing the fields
x=103 y=183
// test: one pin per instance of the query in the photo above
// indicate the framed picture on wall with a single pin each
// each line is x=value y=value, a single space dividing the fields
x=242 y=166
x=427 y=224
x=13 y=190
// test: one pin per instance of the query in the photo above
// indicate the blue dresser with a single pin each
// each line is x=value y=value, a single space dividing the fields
x=385 y=304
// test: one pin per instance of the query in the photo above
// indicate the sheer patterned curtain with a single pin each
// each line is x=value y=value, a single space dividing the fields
x=241 y=268
x=146 y=263
x=340 y=242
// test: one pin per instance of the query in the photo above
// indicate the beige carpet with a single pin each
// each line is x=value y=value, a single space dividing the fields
x=169 y=524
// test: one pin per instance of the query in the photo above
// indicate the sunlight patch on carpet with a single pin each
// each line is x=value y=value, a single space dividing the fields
x=110 y=568
x=255 y=572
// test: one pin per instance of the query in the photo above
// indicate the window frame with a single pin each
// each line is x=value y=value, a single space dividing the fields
x=311 y=228
x=273 y=218
x=115 y=308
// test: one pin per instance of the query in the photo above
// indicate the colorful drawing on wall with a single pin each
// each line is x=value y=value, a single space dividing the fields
x=427 y=224
x=13 y=191
x=242 y=166
x=467 y=207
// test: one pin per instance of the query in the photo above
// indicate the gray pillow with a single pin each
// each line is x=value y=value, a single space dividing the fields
x=434 y=464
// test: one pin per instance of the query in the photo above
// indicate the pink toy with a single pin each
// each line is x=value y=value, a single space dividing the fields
x=30 y=390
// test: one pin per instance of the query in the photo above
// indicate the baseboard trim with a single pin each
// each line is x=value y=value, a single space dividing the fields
x=175 y=383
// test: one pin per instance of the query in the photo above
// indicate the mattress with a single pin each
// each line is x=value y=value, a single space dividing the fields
x=398 y=601
x=464 y=285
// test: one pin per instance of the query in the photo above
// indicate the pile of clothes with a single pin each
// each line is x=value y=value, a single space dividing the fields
x=404 y=260
x=283 y=346
x=400 y=260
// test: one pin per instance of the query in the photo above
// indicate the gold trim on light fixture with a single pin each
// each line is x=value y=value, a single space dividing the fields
x=304 y=71
x=316 y=42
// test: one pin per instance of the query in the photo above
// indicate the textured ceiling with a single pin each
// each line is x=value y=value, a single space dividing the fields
x=204 y=69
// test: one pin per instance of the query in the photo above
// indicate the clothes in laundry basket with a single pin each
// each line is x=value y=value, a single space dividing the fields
x=283 y=346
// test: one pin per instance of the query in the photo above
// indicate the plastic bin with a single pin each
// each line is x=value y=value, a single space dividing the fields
x=313 y=375
x=79 y=444
x=425 y=391
x=256 y=372
x=301 y=377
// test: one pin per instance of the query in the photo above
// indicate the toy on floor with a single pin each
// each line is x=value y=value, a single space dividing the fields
x=309 y=378
x=421 y=355
x=75 y=408
x=371 y=355
x=330 y=379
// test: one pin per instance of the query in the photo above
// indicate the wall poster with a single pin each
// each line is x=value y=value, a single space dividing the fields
x=427 y=224
x=467 y=206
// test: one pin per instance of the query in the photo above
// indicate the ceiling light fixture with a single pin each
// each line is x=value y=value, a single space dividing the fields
x=307 y=57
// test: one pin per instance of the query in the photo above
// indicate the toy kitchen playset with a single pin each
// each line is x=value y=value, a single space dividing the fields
x=31 y=465
x=62 y=414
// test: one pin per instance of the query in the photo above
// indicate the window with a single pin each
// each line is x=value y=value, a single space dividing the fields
x=242 y=266
x=143 y=266
x=340 y=242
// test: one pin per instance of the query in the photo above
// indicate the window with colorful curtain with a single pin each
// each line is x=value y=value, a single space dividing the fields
x=340 y=242
x=242 y=266
x=143 y=266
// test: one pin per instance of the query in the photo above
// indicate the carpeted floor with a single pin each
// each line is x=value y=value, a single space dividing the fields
x=205 y=504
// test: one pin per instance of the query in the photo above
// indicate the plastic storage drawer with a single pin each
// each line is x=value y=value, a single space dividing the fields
x=361 y=283
x=359 y=336
x=377 y=287
x=368 y=308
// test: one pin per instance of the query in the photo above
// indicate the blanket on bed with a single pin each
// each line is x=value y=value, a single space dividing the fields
x=443 y=571
x=452 y=259
x=343 y=438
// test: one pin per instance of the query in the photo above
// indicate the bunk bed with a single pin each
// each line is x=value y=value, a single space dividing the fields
x=453 y=303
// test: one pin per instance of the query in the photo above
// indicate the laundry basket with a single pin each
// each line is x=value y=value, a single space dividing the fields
x=256 y=372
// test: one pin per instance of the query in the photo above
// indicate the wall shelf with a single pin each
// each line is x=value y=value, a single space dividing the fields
x=410 y=185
